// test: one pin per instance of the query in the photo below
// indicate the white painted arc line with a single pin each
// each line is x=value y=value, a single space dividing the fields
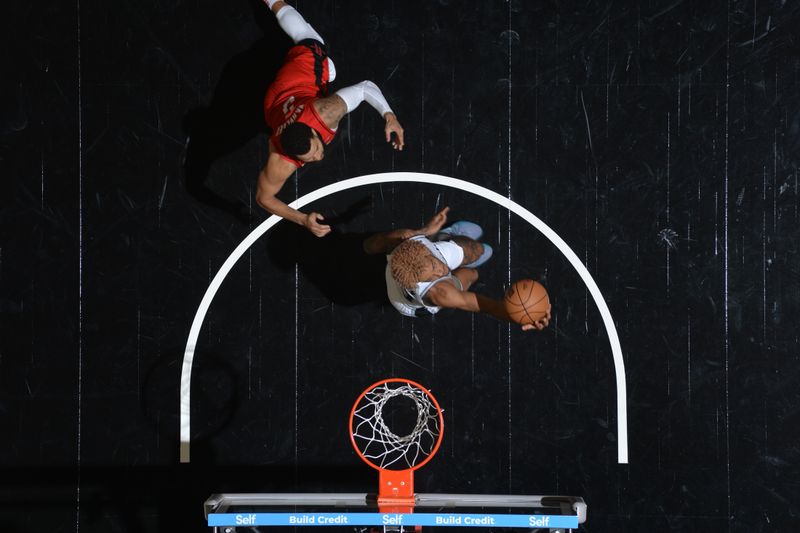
x=413 y=177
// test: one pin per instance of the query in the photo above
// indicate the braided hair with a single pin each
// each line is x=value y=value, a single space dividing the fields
x=407 y=263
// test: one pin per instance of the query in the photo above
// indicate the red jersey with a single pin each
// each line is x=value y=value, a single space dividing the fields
x=302 y=79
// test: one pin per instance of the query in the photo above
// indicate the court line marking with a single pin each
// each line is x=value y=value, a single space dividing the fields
x=405 y=177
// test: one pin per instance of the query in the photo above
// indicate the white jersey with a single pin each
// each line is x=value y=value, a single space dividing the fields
x=408 y=302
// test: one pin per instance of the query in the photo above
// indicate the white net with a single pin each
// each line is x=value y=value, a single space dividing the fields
x=375 y=438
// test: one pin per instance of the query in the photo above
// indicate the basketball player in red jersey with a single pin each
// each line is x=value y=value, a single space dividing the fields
x=303 y=118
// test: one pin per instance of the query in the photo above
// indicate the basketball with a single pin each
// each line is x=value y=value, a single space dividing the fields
x=526 y=301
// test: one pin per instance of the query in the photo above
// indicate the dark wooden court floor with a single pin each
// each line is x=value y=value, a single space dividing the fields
x=660 y=140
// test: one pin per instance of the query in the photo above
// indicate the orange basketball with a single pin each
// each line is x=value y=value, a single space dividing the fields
x=526 y=301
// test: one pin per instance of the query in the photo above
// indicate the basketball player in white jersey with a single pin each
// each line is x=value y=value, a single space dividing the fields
x=433 y=267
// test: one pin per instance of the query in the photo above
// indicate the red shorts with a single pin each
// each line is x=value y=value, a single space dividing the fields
x=304 y=75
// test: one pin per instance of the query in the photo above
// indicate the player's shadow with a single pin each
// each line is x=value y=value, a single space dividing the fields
x=235 y=114
x=336 y=264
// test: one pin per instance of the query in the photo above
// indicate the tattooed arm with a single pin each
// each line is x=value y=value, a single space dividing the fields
x=332 y=108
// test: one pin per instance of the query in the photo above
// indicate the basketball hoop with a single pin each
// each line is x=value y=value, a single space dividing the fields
x=396 y=427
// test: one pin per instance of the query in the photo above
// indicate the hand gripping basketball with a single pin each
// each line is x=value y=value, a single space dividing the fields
x=527 y=303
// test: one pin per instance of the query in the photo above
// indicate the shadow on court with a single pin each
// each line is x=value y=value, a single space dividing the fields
x=235 y=114
x=161 y=498
x=336 y=264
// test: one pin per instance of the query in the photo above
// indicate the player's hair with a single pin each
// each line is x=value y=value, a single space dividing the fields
x=408 y=262
x=296 y=139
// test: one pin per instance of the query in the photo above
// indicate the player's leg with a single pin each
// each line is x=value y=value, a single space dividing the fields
x=293 y=22
x=297 y=28
x=475 y=253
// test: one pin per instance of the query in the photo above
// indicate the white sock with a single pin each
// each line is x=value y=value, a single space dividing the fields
x=270 y=3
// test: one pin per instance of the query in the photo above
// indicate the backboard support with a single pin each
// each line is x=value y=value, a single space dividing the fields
x=233 y=513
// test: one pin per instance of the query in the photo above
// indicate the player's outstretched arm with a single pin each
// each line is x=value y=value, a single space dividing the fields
x=332 y=108
x=445 y=294
x=270 y=180
x=383 y=243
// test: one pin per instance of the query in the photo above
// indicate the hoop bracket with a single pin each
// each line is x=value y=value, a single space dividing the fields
x=396 y=491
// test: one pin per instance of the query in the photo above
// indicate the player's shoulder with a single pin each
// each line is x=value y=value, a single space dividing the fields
x=330 y=109
x=279 y=167
x=444 y=294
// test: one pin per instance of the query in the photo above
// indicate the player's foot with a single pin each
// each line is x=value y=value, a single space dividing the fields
x=487 y=253
x=462 y=228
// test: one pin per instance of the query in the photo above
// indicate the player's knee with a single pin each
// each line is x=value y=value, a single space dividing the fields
x=472 y=248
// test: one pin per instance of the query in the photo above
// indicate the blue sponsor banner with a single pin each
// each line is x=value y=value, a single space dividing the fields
x=378 y=519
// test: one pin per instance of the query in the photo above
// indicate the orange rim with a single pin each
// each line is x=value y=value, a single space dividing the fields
x=433 y=401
